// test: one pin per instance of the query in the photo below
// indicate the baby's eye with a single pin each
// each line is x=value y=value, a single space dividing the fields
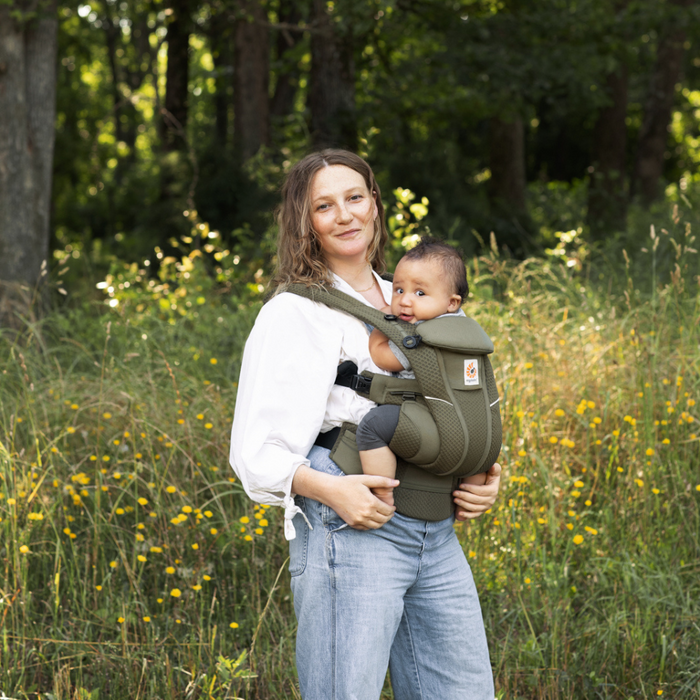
x=420 y=293
x=398 y=290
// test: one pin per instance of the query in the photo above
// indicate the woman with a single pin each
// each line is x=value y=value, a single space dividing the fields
x=372 y=588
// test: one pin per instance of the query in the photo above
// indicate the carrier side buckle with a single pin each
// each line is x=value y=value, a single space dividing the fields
x=361 y=384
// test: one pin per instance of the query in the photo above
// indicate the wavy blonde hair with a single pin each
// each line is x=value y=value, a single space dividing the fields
x=299 y=254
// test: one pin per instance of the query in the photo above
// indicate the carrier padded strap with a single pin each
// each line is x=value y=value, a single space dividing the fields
x=396 y=329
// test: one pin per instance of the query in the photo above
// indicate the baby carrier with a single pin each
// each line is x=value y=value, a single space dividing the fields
x=450 y=423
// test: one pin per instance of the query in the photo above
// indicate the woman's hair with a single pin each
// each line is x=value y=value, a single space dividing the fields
x=449 y=259
x=299 y=254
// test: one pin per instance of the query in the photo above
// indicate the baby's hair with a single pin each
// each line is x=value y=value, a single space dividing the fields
x=448 y=257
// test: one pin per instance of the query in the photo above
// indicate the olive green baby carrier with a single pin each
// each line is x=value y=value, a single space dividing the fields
x=450 y=423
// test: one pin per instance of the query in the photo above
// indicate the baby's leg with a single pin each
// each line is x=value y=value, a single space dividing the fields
x=373 y=437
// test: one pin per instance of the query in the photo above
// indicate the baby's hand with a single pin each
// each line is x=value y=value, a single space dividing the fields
x=384 y=495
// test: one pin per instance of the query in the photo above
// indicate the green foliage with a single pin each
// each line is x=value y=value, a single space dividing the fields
x=429 y=75
x=404 y=224
x=203 y=280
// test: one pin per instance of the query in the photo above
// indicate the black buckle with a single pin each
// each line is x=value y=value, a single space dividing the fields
x=361 y=384
x=411 y=341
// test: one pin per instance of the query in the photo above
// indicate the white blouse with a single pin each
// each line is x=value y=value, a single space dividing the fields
x=286 y=392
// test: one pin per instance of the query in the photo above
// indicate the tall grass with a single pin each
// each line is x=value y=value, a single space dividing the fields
x=134 y=567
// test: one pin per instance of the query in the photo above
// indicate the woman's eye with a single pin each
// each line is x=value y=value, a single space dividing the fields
x=356 y=197
x=322 y=207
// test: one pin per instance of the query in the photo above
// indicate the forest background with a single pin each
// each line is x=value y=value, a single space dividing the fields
x=142 y=145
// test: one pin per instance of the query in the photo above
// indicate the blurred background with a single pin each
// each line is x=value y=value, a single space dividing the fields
x=519 y=118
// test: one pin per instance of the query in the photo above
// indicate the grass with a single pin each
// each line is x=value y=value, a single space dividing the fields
x=117 y=496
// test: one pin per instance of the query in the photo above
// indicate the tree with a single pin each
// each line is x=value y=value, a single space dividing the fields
x=507 y=162
x=657 y=113
x=607 y=197
x=282 y=101
x=332 y=81
x=174 y=118
x=221 y=51
x=251 y=74
x=28 y=41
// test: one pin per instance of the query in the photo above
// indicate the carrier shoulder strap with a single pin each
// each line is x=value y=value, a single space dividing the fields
x=401 y=332
x=460 y=333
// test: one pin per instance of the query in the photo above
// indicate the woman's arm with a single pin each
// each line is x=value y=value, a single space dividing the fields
x=473 y=500
x=349 y=496
x=288 y=370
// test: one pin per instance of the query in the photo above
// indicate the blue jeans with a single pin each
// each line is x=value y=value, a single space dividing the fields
x=401 y=597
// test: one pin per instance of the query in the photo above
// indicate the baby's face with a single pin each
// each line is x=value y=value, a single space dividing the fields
x=422 y=291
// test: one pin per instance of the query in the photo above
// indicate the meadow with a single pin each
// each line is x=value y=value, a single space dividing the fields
x=133 y=566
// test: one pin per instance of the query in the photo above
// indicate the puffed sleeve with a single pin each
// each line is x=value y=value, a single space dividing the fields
x=289 y=367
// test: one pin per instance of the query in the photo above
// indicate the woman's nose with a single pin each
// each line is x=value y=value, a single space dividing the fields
x=343 y=214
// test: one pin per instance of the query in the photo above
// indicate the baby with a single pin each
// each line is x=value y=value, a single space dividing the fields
x=430 y=281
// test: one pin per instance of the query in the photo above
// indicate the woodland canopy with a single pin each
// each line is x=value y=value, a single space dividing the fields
x=519 y=117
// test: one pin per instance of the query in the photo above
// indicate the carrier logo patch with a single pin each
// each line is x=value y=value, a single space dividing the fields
x=471 y=372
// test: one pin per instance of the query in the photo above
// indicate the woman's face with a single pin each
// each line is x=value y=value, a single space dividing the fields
x=342 y=213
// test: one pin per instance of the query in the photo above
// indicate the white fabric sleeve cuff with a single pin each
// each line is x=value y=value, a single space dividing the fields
x=290 y=510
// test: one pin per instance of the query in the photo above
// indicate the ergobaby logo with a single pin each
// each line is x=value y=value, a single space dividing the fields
x=471 y=372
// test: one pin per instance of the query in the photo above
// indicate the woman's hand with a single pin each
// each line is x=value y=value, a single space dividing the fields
x=355 y=503
x=474 y=499
x=349 y=496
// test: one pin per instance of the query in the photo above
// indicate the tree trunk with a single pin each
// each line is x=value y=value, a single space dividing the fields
x=221 y=54
x=607 y=199
x=282 y=102
x=507 y=163
x=27 y=115
x=251 y=128
x=174 y=118
x=653 y=135
x=332 y=83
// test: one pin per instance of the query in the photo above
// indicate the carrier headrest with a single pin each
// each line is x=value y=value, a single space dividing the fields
x=459 y=333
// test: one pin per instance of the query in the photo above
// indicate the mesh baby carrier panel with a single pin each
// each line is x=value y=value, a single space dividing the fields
x=450 y=423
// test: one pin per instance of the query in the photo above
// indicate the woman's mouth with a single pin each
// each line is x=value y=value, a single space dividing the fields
x=348 y=234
